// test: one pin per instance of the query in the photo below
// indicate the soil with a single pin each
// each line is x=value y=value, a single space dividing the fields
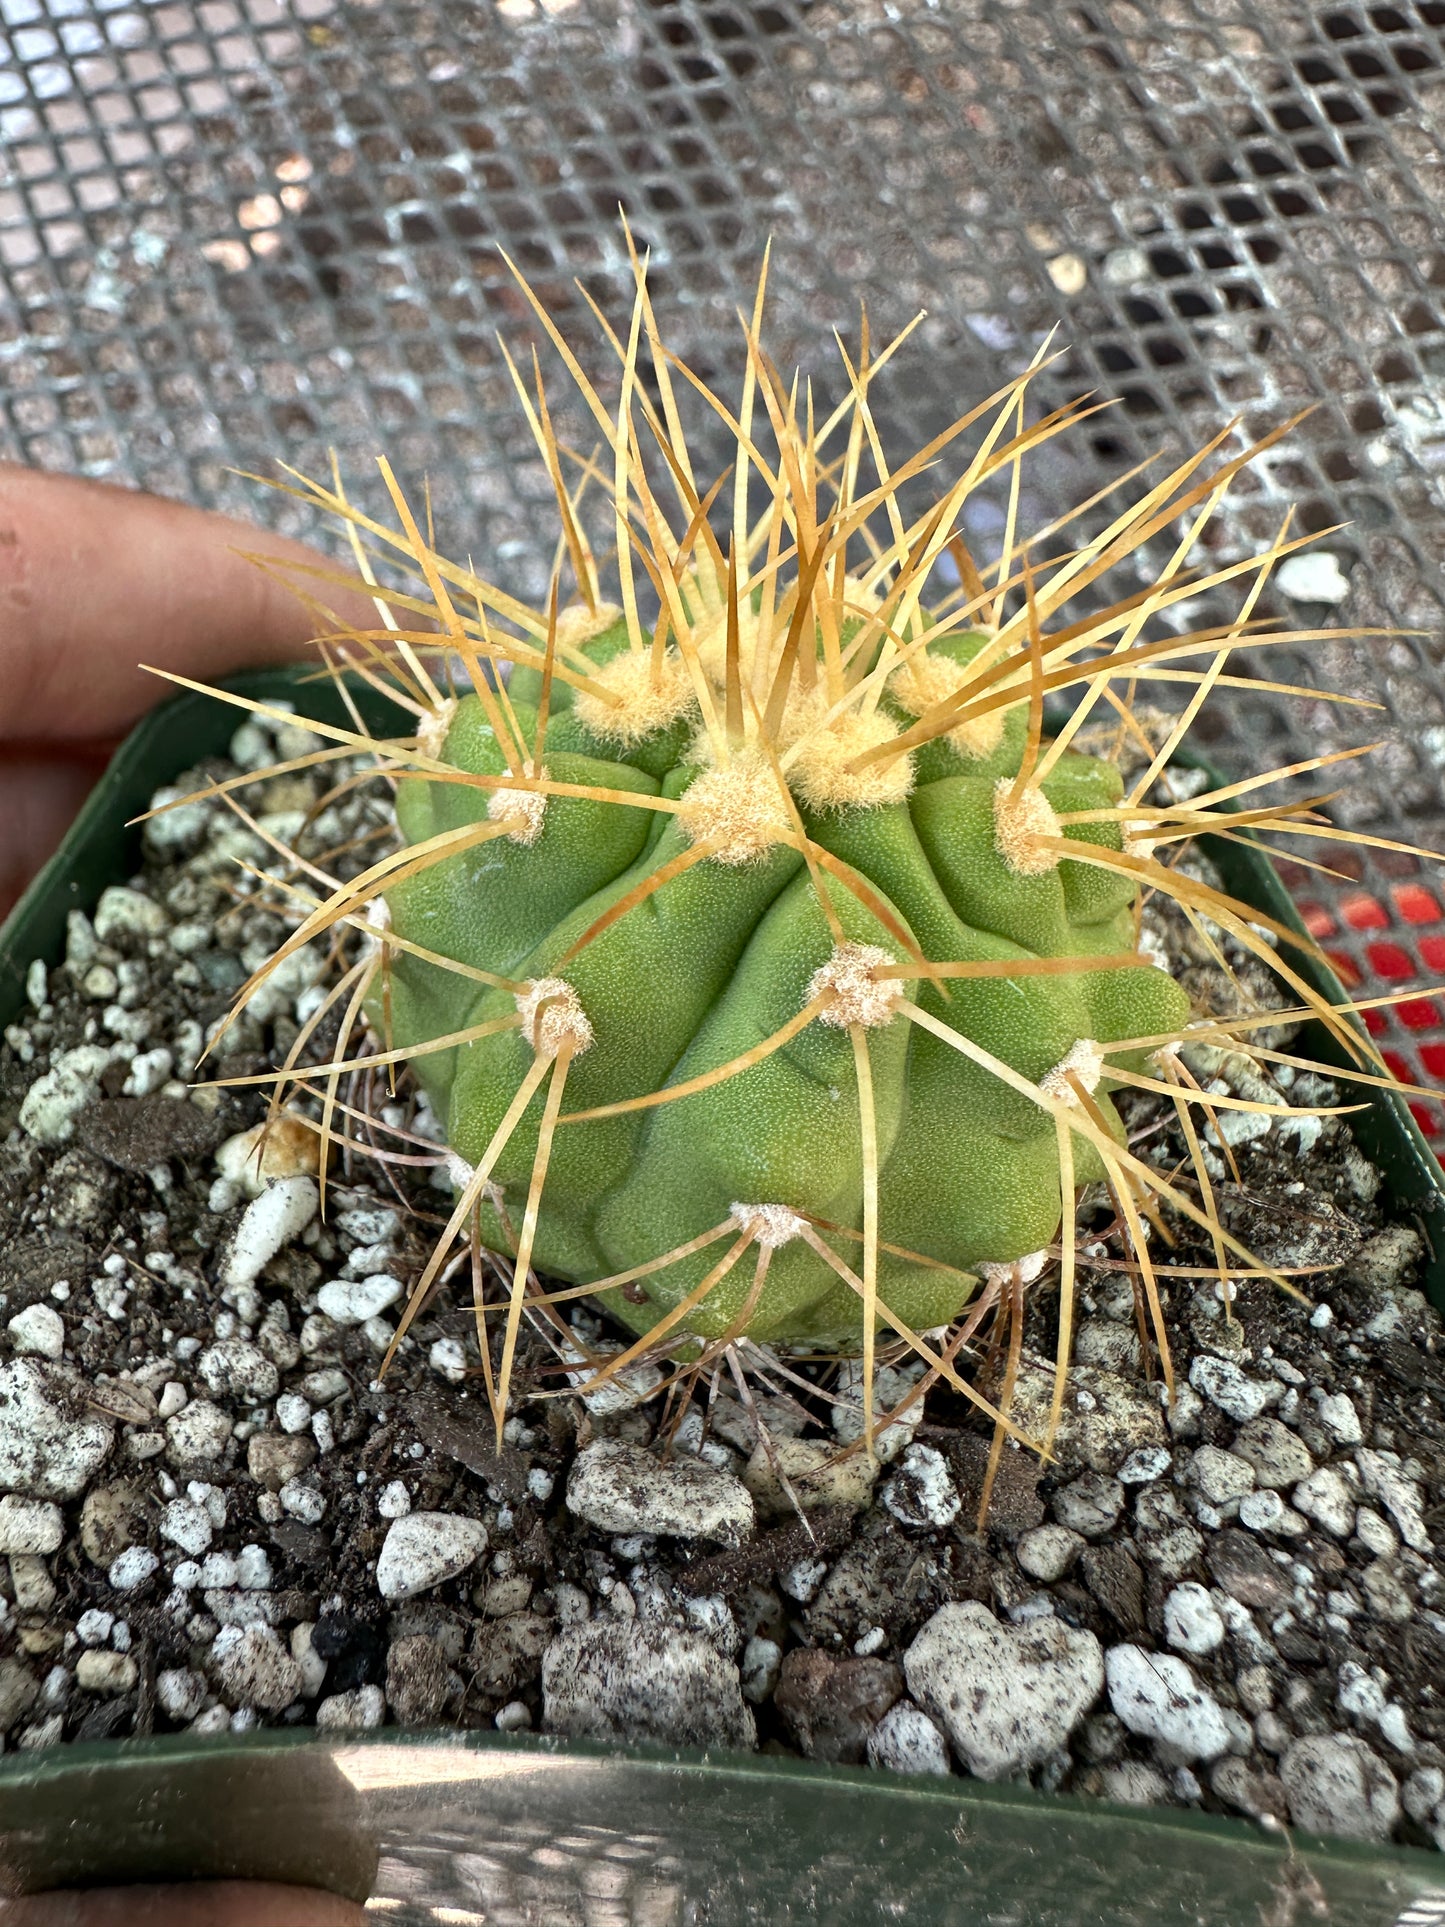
x=1230 y=1603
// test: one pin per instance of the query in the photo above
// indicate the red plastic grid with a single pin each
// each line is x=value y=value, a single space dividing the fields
x=1383 y=941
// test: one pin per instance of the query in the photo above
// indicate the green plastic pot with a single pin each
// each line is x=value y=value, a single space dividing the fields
x=467 y=1827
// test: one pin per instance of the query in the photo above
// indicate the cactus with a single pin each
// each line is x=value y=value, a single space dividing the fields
x=769 y=966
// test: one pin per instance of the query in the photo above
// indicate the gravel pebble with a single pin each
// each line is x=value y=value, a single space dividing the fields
x=30 y=1525
x=1327 y=1498
x=251 y=1667
x=622 y=1488
x=199 y=1434
x=353 y=1712
x=423 y=1549
x=905 y=1740
x=268 y=1224
x=921 y=1492
x=51 y=1446
x=1157 y=1695
x=1008 y=1696
x=39 y=1330
x=1192 y=1621
x=1090 y=1505
x=352 y=1301
x=1226 y=1387
x=236 y=1369
x=102 y=1672
x=1279 y=1457
x=1336 y=1785
x=625 y=1679
x=1047 y=1552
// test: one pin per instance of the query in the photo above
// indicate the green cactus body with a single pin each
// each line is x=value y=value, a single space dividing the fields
x=717 y=960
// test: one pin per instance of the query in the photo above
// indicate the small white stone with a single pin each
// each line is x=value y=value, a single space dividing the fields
x=1046 y=1552
x=448 y=1359
x=293 y=1413
x=149 y=1070
x=393 y=1501
x=101 y=1672
x=540 y=1484
x=1338 y=1416
x=174 y=1398
x=268 y=1224
x=303 y=1502
x=891 y=1387
x=218 y=1571
x=180 y=1693
x=94 y=1627
x=1336 y=1785
x=39 y=1329
x=1090 y=1504
x=132 y=1568
x=921 y=1492
x=1328 y=1499
x=1384 y=1479
x=30 y=1525
x=905 y=1740
x=1009 y=1696
x=126 y=916
x=187 y=1525
x=1262 y=1511
x=514 y=1717
x=1192 y=1622
x=1219 y=1477
x=303 y=1651
x=1226 y=1387
x=34 y=1588
x=622 y=1488
x=1145 y=1464
x=197 y=1433
x=353 y=1712
x=352 y=1301
x=1157 y=1695
x=253 y=1569
x=252 y=1668
x=236 y=1369
x=423 y=1549
x=802 y=1580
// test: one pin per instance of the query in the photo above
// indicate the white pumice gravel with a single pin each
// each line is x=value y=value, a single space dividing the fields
x=269 y=1223
x=622 y=1488
x=354 y=1301
x=34 y=1526
x=1156 y=1695
x=39 y=1330
x=905 y=1740
x=424 y=1549
x=1008 y=1696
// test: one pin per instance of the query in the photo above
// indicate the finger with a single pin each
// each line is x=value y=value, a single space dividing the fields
x=95 y=580
x=39 y=795
x=202 y=1903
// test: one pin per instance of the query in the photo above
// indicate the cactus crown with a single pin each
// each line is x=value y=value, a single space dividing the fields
x=770 y=968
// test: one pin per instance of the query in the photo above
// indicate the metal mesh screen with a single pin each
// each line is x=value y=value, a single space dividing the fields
x=235 y=230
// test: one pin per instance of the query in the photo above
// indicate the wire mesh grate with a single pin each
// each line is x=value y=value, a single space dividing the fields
x=232 y=230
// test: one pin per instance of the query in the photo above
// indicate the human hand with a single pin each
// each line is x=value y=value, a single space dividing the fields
x=93 y=581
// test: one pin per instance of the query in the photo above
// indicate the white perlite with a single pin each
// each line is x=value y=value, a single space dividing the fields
x=39 y=1330
x=1226 y=1386
x=1335 y=1784
x=1047 y=1552
x=905 y=1740
x=1192 y=1621
x=70 y=1086
x=1327 y=1497
x=1008 y=1696
x=51 y=1446
x=235 y=1369
x=921 y=1492
x=1384 y=1479
x=622 y=1488
x=423 y=1549
x=198 y=1433
x=268 y=1224
x=30 y=1525
x=353 y=1712
x=251 y=1667
x=351 y=1301
x=633 y=1679
x=1158 y=1696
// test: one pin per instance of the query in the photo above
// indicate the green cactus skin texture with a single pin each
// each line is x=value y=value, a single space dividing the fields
x=696 y=973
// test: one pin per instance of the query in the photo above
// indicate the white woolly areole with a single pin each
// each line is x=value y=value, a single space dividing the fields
x=927 y=680
x=459 y=1171
x=818 y=771
x=432 y=730
x=648 y=697
x=769 y=1225
x=1141 y=846
x=740 y=807
x=1017 y=1271
x=553 y=1019
x=1085 y=1061
x=526 y=808
x=859 y=997
x=578 y=624
x=1019 y=821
